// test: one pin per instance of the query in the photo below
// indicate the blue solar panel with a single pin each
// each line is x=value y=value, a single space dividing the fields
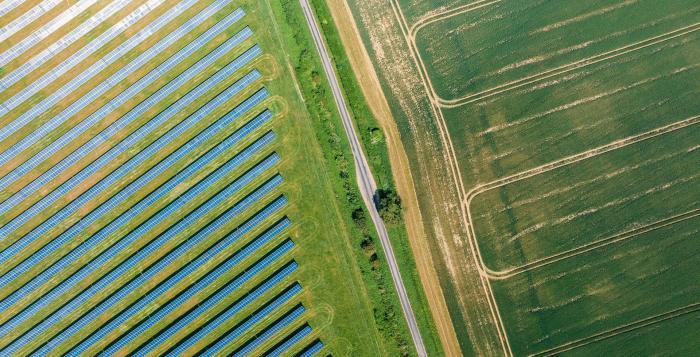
x=312 y=350
x=96 y=238
x=160 y=289
x=290 y=341
x=237 y=331
x=141 y=156
x=260 y=338
x=193 y=289
x=224 y=291
x=151 y=247
x=134 y=89
x=102 y=64
x=49 y=27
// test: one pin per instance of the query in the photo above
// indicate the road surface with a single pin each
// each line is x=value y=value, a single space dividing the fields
x=364 y=177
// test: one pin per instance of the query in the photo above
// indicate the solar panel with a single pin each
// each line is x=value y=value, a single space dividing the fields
x=290 y=341
x=152 y=246
x=115 y=224
x=134 y=137
x=26 y=18
x=193 y=289
x=51 y=26
x=261 y=337
x=134 y=89
x=224 y=291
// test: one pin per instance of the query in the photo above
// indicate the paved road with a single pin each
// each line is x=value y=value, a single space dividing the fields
x=364 y=178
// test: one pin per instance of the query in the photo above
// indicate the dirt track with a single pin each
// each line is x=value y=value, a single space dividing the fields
x=371 y=88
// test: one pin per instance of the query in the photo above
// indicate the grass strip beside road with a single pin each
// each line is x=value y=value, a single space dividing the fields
x=375 y=270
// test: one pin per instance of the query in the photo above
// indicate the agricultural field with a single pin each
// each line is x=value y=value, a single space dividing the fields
x=160 y=188
x=569 y=130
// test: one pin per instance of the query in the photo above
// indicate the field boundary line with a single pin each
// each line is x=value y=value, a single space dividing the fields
x=569 y=67
x=616 y=238
x=453 y=166
x=632 y=326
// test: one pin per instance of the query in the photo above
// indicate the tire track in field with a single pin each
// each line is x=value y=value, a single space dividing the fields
x=666 y=222
x=409 y=34
x=582 y=156
x=601 y=57
x=632 y=326
x=566 y=161
x=446 y=14
x=453 y=166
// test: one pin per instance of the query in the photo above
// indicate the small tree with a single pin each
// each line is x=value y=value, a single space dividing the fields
x=389 y=205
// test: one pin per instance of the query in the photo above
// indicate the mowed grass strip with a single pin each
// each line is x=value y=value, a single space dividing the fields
x=523 y=129
x=575 y=205
x=510 y=40
x=603 y=290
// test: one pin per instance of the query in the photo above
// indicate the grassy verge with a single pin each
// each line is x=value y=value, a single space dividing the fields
x=336 y=149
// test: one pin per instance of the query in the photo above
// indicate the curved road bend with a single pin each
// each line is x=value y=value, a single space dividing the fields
x=364 y=177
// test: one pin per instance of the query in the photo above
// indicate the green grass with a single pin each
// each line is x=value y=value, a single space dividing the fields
x=375 y=148
x=601 y=290
x=645 y=341
x=387 y=313
x=562 y=115
x=519 y=130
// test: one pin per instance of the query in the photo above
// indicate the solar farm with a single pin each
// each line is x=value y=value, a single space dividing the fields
x=158 y=191
x=570 y=133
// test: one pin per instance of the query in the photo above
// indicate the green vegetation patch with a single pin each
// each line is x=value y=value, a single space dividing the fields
x=604 y=289
x=493 y=46
x=584 y=202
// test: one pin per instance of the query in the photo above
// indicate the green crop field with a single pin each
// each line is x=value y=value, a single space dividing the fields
x=569 y=130
x=575 y=125
x=208 y=222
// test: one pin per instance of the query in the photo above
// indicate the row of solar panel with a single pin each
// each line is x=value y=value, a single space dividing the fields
x=180 y=105
x=26 y=18
x=146 y=274
x=96 y=238
x=101 y=288
x=97 y=264
x=206 y=280
x=9 y=5
x=102 y=63
x=196 y=331
x=134 y=89
x=49 y=27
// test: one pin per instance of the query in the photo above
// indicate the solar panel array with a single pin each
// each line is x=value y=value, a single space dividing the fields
x=141 y=207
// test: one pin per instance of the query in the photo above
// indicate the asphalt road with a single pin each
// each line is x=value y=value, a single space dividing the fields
x=364 y=177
